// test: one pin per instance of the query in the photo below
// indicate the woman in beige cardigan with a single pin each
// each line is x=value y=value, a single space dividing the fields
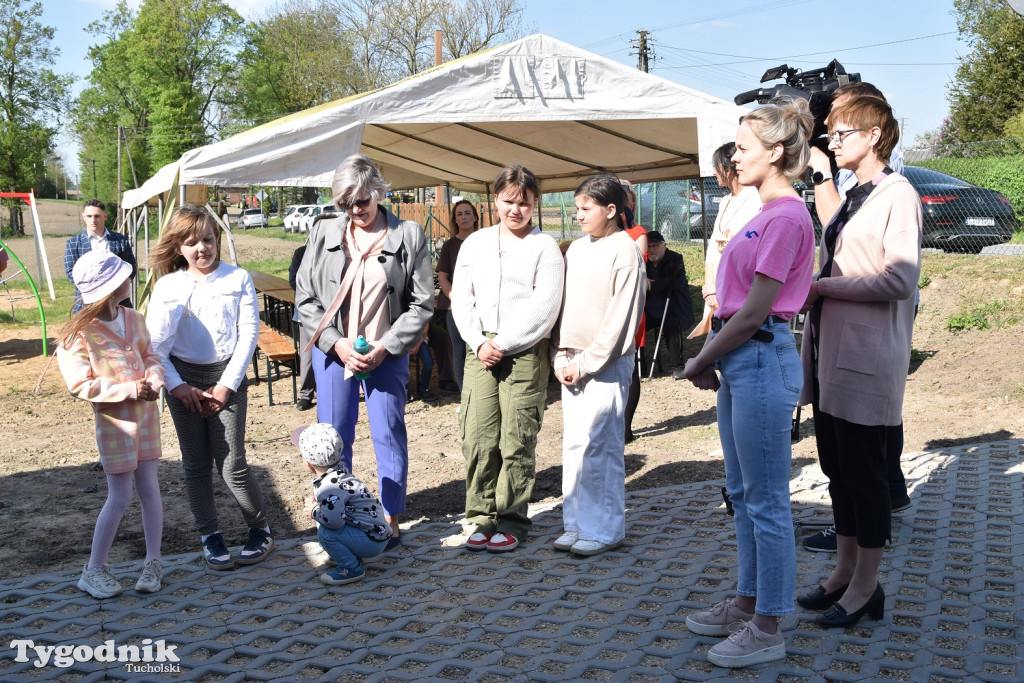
x=856 y=350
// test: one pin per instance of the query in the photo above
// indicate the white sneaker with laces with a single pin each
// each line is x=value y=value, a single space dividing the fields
x=748 y=645
x=566 y=540
x=152 y=574
x=99 y=583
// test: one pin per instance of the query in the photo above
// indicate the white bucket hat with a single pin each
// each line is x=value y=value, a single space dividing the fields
x=320 y=444
x=98 y=273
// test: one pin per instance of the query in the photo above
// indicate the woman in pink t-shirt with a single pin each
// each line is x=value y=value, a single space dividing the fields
x=763 y=280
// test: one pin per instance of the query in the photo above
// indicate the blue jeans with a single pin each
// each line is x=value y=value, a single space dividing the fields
x=761 y=383
x=458 y=348
x=348 y=545
x=426 y=367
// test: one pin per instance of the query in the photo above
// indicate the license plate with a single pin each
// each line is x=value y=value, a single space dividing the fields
x=716 y=200
x=981 y=221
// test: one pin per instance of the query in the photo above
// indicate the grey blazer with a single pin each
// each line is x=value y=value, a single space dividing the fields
x=407 y=269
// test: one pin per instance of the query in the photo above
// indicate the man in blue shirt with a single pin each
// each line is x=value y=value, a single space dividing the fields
x=96 y=236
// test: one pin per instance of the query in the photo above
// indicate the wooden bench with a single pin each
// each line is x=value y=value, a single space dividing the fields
x=277 y=349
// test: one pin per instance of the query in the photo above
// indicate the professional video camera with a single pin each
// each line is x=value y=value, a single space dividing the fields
x=814 y=85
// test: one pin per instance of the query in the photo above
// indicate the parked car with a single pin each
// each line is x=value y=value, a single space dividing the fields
x=252 y=218
x=959 y=216
x=312 y=213
x=293 y=217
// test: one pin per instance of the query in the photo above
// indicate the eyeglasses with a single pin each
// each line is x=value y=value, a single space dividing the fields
x=358 y=204
x=836 y=137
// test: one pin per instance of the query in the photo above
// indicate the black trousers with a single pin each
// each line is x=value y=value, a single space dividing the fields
x=671 y=339
x=852 y=456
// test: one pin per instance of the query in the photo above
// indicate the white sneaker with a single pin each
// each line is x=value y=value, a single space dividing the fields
x=748 y=645
x=588 y=548
x=99 y=583
x=566 y=540
x=152 y=573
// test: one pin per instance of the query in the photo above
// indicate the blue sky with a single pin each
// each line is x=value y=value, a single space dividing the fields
x=908 y=48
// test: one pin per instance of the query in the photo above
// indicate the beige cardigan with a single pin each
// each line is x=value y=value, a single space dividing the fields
x=867 y=316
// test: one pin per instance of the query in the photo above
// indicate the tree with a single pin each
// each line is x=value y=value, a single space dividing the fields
x=32 y=98
x=470 y=26
x=987 y=91
x=394 y=39
x=297 y=56
x=162 y=74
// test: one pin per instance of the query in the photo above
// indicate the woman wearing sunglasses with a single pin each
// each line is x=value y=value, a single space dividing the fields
x=366 y=273
x=856 y=350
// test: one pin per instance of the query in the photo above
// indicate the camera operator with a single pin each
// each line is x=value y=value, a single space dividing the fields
x=829 y=191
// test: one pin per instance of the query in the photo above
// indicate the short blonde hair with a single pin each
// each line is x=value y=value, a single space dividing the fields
x=789 y=125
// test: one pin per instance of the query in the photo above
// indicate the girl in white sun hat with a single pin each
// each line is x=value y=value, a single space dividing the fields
x=107 y=359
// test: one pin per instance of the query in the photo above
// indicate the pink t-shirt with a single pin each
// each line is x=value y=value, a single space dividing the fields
x=778 y=243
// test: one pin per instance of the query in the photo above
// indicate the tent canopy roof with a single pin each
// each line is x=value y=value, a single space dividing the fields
x=562 y=112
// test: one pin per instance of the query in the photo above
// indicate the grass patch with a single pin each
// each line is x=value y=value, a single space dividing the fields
x=277 y=267
x=993 y=314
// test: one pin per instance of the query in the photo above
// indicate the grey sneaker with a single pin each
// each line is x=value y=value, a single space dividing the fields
x=99 y=583
x=748 y=645
x=716 y=621
x=152 y=573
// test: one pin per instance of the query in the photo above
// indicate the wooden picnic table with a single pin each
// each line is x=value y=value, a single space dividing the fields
x=265 y=282
x=278 y=301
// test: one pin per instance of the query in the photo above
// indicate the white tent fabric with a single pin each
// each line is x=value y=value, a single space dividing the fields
x=561 y=111
x=160 y=183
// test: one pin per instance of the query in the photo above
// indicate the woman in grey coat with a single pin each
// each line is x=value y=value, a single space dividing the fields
x=365 y=272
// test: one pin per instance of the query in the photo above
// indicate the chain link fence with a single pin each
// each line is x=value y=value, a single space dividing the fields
x=972 y=195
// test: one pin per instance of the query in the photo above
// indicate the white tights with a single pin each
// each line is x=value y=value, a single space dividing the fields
x=119 y=496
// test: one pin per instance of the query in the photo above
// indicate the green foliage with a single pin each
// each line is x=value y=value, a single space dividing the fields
x=924 y=281
x=160 y=72
x=298 y=57
x=31 y=98
x=988 y=315
x=986 y=92
x=995 y=165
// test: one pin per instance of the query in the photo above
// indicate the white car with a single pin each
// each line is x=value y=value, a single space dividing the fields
x=312 y=213
x=293 y=218
x=253 y=218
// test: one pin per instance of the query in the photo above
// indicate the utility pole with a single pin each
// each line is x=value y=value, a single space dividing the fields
x=120 y=209
x=643 y=50
x=94 y=191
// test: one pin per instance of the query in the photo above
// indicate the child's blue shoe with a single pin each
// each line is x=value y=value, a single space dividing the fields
x=339 y=576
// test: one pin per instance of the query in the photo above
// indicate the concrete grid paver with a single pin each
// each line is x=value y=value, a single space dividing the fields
x=953 y=580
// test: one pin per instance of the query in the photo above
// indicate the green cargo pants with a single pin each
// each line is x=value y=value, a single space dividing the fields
x=501 y=415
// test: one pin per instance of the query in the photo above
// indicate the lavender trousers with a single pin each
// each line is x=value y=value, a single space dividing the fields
x=385 y=392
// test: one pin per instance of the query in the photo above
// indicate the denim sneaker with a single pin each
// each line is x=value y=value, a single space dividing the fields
x=716 y=620
x=257 y=548
x=339 y=576
x=152 y=573
x=99 y=583
x=748 y=645
x=823 y=541
x=216 y=554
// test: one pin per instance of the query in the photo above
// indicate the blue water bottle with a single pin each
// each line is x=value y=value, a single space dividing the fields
x=361 y=347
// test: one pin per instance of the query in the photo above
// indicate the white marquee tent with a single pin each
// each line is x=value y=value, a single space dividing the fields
x=563 y=112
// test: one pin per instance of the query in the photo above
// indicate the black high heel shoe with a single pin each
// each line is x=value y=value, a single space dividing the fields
x=837 y=616
x=818 y=599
